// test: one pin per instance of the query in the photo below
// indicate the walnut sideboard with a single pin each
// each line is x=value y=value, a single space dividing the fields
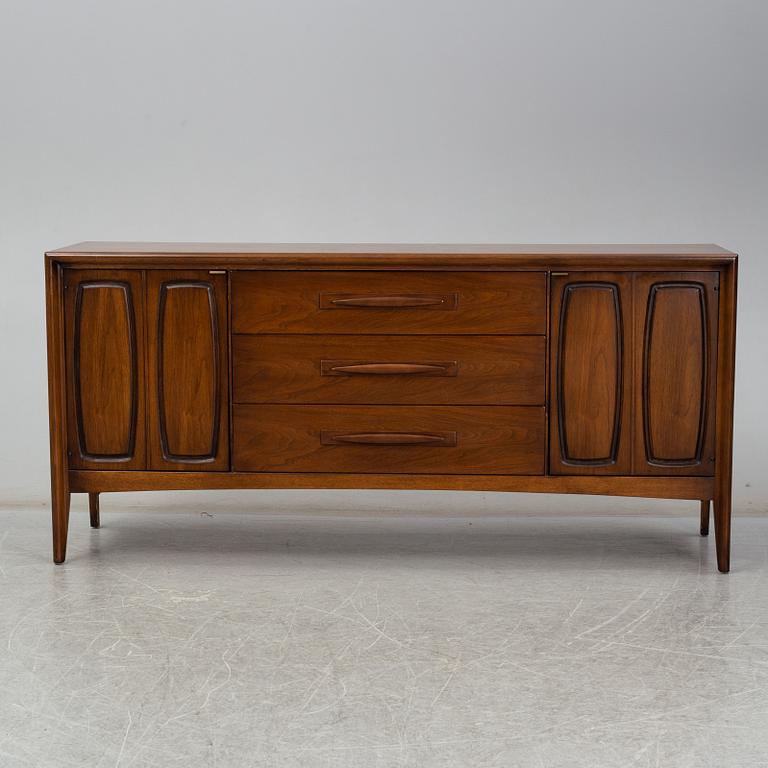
x=558 y=369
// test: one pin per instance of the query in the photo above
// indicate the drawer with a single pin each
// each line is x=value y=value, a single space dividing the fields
x=350 y=369
x=494 y=440
x=389 y=302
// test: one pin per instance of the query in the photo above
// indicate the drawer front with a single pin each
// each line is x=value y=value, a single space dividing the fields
x=350 y=369
x=389 y=302
x=389 y=439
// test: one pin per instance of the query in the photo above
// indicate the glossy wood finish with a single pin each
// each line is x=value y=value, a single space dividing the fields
x=704 y=518
x=188 y=370
x=392 y=256
x=283 y=302
x=104 y=313
x=351 y=369
x=361 y=368
x=288 y=438
x=692 y=488
x=350 y=252
x=93 y=510
x=590 y=415
x=675 y=348
x=433 y=439
x=726 y=366
x=438 y=301
x=57 y=406
x=385 y=298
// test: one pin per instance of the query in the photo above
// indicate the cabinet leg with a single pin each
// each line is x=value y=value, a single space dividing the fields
x=54 y=302
x=726 y=365
x=60 y=519
x=93 y=508
x=722 y=515
x=704 y=517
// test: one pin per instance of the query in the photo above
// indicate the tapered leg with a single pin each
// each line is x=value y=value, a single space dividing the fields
x=60 y=518
x=726 y=363
x=722 y=515
x=705 y=517
x=57 y=409
x=93 y=508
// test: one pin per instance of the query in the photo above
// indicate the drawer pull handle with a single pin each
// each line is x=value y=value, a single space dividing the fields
x=436 y=439
x=342 y=368
x=394 y=301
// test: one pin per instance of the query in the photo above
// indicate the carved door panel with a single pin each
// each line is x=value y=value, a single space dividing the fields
x=675 y=342
x=590 y=423
x=104 y=320
x=188 y=370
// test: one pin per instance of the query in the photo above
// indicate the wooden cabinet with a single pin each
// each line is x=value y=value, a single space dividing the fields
x=583 y=369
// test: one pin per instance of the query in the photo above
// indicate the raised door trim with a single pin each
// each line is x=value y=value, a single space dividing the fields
x=133 y=409
x=159 y=286
x=130 y=285
x=648 y=287
x=561 y=458
x=169 y=455
x=612 y=457
x=650 y=456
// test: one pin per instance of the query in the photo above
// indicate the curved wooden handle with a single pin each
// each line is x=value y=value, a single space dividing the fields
x=349 y=368
x=436 y=439
x=388 y=301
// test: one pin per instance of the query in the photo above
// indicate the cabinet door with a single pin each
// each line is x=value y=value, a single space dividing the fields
x=188 y=370
x=104 y=319
x=675 y=342
x=590 y=425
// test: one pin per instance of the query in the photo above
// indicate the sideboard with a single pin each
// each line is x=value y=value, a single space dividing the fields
x=592 y=369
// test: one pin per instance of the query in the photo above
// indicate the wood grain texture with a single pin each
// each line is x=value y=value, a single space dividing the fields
x=93 y=510
x=57 y=406
x=400 y=257
x=675 y=348
x=462 y=250
x=479 y=370
x=105 y=368
x=188 y=370
x=692 y=488
x=434 y=301
x=283 y=302
x=590 y=419
x=704 y=515
x=362 y=368
x=432 y=439
x=489 y=440
x=726 y=373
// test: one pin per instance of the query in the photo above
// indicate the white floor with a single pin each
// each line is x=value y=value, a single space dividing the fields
x=175 y=638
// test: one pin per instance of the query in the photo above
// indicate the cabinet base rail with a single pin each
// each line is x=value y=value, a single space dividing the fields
x=693 y=488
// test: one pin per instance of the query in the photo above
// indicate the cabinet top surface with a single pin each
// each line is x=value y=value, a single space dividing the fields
x=497 y=249
x=388 y=255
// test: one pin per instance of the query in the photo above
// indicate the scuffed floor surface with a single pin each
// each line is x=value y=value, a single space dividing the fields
x=180 y=639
